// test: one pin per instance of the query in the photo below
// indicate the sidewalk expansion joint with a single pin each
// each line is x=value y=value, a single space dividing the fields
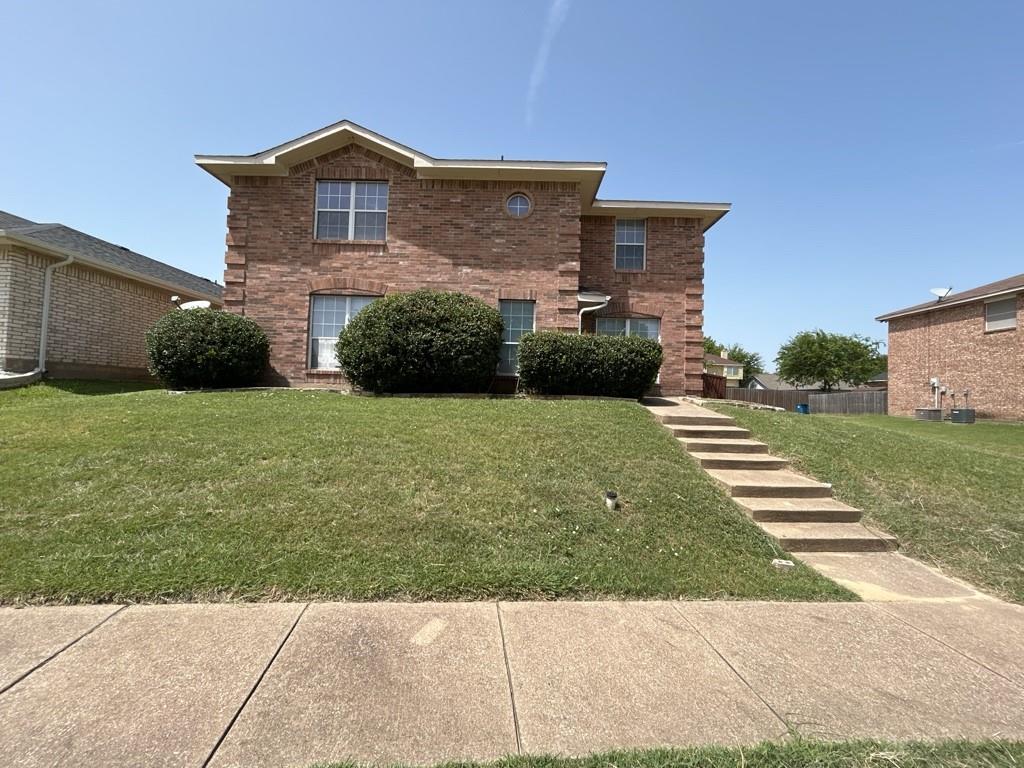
x=790 y=730
x=252 y=691
x=508 y=675
x=940 y=641
x=59 y=651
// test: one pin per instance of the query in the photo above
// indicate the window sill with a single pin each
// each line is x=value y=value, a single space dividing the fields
x=1000 y=330
x=349 y=242
x=629 y=271
x=324 y=372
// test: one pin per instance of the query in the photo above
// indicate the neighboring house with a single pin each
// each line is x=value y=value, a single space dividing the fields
x=723 y=366
x=770 y=381
x=773 y=382
x=972 y=340
x=101 y=297
x=878 y=381
x=320 y=226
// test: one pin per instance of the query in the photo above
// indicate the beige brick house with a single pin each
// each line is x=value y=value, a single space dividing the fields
x=321 y=225
x=100 y=299
x=972 y=340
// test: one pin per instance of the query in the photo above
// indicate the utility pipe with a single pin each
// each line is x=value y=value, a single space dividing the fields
x=45 y=321
x=594 y=308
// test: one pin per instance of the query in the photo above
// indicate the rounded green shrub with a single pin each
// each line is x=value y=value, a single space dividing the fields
x=425 y=341
x=552 y=363
x=206 y=349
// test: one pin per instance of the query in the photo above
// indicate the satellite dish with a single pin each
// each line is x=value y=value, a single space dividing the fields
x=941 y=293
x=195 y=305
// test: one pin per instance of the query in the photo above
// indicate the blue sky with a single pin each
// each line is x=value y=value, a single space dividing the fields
x=872 y=150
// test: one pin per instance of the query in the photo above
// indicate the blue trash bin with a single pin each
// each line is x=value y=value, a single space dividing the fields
x=803 y=408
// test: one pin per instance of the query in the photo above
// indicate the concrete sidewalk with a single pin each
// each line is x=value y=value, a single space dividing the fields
x=290 y=684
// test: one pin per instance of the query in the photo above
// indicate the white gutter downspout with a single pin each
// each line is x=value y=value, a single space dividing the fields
x=594 y=308
x=45 y=321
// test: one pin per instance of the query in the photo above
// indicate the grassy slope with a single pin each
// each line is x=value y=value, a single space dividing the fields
x=288 y=494
x=950 y=493
x=793 y=754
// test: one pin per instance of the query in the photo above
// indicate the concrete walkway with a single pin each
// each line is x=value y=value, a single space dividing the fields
x=290 y=684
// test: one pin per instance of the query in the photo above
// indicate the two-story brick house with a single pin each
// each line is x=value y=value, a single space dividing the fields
x=321 y=225
x=969 y=341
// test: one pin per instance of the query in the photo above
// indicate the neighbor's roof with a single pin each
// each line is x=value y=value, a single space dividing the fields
x=719 y=360
x=276 y=161
x=989 y=291
x=60 y=240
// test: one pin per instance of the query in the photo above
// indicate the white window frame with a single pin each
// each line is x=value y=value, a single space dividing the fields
x=351 y=210
x=1010 y=323
x=312 y=340
x=615 y=248
x=533 y=327
x=629 y=326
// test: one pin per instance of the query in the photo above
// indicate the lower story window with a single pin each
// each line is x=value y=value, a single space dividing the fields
x=518 y=319
x=328 y=315
x=649 y=328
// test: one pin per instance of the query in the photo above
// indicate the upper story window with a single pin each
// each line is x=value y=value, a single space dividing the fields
x=648 y=327
x=1001 y=315
x=351 y=210
x=518 y=205
x=630 y=244
x=328 y=315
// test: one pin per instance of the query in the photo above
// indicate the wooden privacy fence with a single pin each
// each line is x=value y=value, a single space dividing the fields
x=713 y=386
x=780 y=398
x=854 y=402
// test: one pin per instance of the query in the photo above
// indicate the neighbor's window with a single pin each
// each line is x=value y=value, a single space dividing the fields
x=351 y=210
x=630 y=243
x=327 y=316
x=518 y=205
x=1000 y=315
x=518 y=319
x=649 y=328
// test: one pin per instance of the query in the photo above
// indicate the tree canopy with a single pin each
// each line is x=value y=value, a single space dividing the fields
x=829 y=358
x=711 y=347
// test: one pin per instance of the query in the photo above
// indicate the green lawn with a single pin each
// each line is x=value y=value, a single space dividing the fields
x=286 y=494
x=951 y=493
x=794 y=754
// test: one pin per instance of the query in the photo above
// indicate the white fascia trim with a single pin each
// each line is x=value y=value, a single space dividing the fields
x=1008 y=293
x=52 y=250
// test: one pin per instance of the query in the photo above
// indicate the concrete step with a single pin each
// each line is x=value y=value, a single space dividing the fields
x=722 y=445
x=777 y=483
x=711 y=419
x=828 y=537
x=707 y=430
x=720 y=460
x=775 y=510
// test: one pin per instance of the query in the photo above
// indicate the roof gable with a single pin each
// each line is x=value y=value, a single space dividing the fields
x=277 y=161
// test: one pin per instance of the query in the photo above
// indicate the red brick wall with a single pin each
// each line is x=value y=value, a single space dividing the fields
x=443 y=235
x=952 y=344
x=671 y=287
x=98 y=321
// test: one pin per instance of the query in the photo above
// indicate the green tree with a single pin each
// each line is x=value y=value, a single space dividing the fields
x=829 y=358
x=711 y=347
x=752 y=361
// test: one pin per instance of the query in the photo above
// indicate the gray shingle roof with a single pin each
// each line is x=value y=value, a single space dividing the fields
x=999 y=286
x=89 y=247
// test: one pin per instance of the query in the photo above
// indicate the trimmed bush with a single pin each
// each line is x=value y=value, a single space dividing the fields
x=206 y=349
x=425 y=341
x=552 y=363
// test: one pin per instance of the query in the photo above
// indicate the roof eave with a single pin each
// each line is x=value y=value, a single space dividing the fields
x=54 y=250
x=948 y=303
x=708 y=213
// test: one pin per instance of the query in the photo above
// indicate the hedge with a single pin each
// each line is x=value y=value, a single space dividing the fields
x=425 y=341
x=206 y=348
x=553 y=363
